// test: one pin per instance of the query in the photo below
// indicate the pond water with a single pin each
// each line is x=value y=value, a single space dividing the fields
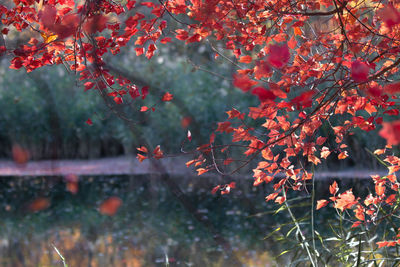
x=154 y=226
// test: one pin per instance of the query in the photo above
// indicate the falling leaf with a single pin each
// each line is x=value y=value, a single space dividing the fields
x=110 y=206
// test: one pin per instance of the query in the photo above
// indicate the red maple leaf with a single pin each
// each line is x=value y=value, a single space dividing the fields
x=391 y=132
x=359 y=71
x=243 y=82
x=279 y=55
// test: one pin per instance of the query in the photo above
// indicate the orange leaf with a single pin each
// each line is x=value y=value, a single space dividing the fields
x=201 y=171
x=140 y=157
x=343 y=155
x=144 y=109
x=245 y=59
x=322 y=203
x=167 y=97
x=292 y=43
x=297 y=31
x=379 y=189
x=333 y=188
x=345 y=201
x=142 y=149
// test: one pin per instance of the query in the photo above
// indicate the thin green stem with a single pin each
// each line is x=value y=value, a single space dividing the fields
x=303 y=238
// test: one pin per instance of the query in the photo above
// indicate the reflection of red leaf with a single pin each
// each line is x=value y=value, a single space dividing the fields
x=110 y=206
x=359 y=71
x=185 y=122
x=40 y=203
x=72 y=187
x=89 y=121
x=243 y=82
x=391 y=132
x=279 y=55
x=71 y=178
x=20 y=155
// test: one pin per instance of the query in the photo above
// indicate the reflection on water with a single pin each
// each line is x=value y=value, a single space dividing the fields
x=150 y=228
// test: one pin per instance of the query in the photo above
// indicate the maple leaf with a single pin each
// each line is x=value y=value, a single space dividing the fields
x=95 y=24
x=345 y=201
x=392 y=89
x=167 y=97
x=322 y=203
x=89 y=121
x=245 y=59
x=279 y=55
x=391 y=132
x=333 y=188
x=343 y=155
x=263 y=94
x=262 y=69
x=359 y=71
x=243 y=82
x=145 y=91
x=390 y=15
x=157 y=152
x=325 y=152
